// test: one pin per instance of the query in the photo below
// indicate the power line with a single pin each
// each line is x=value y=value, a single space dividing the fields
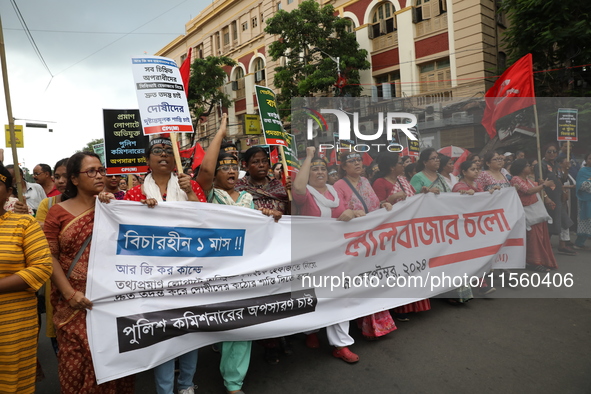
x=88 y=32
x=30 y=36
x=120 y=38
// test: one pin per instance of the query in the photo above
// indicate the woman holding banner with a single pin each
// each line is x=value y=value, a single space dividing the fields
x=266 y=192
x=392 y=186
x=427 y=179
x=160 y=185
x=356 y=194
x=68 y=228
x=315 y=197
x=217 y=176
x=491 y=178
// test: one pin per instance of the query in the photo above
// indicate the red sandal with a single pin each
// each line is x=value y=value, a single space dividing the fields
x=345 y=354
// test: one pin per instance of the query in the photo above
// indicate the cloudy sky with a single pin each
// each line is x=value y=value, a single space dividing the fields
x=87 y=47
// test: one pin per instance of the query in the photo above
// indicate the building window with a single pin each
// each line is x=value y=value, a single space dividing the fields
x=427 y=9
x=217 y=42
x=351 y=26
x=383 y=20
x=435 y=76
x=226 y=34
x=234 y=31
x=289 y=1
x=199 y=51
x=279 y=7
x=259 y=71
x=254 y=22
x=388 y=85
x=183 y=57
x=245 y=26
x=238 y=83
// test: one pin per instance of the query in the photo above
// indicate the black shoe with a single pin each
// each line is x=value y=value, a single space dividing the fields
x=285 y=346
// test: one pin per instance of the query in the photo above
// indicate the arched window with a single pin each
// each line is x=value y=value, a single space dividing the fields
x=259 y=71
x=351 y=27
x=383 y=20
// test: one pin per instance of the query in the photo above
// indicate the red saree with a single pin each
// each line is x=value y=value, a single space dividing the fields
x=66 y=235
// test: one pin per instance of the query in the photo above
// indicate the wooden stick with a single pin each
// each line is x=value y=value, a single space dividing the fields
x=177 y=155
x=568 y=151
x=538 y=142
x=285 y=171
x=17 y=173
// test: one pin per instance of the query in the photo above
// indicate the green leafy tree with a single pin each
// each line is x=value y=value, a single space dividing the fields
x=308 y=37
x=89 y=146
x=557 y=33
x=205 y=85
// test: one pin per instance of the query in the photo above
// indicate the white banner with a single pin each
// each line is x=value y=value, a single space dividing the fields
x=184 y=275
x=161 y=95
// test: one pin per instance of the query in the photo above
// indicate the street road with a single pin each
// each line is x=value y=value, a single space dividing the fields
x=494 y=345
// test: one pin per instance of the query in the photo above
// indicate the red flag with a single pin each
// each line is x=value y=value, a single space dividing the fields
x=274 y=156
x=185 y=70
x=459 y=161
x=513 y=91
x=367 y=160
x=187 y=153
x=198 y=156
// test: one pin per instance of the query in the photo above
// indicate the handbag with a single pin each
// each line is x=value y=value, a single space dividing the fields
x=536 y=213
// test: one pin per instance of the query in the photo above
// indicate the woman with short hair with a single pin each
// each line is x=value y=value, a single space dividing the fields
x=492 y=177
x=357 y=194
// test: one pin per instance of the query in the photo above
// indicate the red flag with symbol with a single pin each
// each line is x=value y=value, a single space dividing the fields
x=513 y=91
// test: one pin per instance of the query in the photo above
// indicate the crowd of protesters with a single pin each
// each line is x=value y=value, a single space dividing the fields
x=46 y=241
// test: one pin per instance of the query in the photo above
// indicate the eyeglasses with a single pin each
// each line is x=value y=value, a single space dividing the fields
x=92 y=172
x=37 y=173
x=158 y=151
x=228 y=168
x=498 y=159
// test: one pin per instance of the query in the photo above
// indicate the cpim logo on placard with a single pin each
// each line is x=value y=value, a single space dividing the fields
x=344 y=128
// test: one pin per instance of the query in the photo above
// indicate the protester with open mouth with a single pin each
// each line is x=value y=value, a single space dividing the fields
x=161 y=185
x=315 y=197
x=68 y=228
x=266 y=192
x=217 y=176
x=356 y=193
x=271 y=195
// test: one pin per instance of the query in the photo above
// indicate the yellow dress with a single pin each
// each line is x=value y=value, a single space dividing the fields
x=24 y=252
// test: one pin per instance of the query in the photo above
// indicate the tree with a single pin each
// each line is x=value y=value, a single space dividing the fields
x=557 y=33
x=205 y=85
x=308 y=37
x=89 y=146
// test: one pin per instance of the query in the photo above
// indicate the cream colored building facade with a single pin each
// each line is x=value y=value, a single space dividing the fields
x=427 y=52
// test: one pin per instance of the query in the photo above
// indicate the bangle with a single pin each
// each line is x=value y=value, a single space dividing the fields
x=72 y=296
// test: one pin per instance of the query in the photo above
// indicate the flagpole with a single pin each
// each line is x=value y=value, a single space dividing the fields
x=285 y=171
x=538 y=142
x=17 y=173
